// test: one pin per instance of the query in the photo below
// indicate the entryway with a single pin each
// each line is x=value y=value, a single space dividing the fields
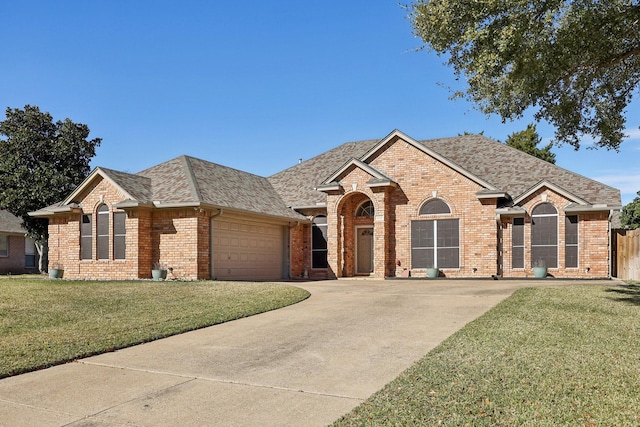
x=364 y=250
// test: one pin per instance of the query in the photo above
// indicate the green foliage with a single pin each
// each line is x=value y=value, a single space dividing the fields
x=576 y=62
x=527 y=140
x=46 y=322
x=41 y=162
x=552 y=356
x=630 y=217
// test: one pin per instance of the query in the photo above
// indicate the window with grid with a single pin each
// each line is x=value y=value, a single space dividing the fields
x=435 y=243
x=544 y=235
x=365 y=209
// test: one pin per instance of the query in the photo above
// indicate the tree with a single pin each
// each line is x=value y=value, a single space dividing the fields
x=527 y=140
x=40 y=164
x=576 y=62
x=630 y=217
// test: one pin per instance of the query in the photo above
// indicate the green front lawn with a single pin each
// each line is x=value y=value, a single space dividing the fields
x=45 y=322
x=565 y=356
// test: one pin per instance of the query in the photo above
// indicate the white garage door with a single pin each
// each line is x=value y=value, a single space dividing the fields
x=247 y=250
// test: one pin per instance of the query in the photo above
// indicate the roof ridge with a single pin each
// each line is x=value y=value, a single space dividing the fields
x=343 y=145
x=191 y=177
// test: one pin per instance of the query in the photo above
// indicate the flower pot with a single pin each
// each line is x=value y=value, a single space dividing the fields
x=56 y=273
x=433 y=272
x=540 y=272
x=159 y=274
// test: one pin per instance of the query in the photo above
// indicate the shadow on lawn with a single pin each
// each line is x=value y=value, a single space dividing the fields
x=628 y=293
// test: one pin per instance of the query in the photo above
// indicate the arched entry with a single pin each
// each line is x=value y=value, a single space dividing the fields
x=357 y=212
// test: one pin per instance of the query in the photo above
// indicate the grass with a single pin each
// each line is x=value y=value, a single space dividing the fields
x=46 y=322
x=565 y=356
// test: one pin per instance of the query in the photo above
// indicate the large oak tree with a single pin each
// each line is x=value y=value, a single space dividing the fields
x=41 y=162
x=576 y=62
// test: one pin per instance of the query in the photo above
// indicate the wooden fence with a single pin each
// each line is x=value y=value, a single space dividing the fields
x=625 y=248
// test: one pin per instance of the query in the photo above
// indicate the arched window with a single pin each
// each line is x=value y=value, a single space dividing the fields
x=435 y=206
x=435 y=242
x=319 y=242
x=365 y=209
x=102 y=226
x=544 y=235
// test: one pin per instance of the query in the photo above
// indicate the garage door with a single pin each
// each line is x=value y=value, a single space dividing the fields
x=247 y=250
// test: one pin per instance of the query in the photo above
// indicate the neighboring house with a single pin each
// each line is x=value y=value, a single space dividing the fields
x=469 y=205
x=17 y=252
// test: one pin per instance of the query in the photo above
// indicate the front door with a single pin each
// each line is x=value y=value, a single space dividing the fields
x=364 y=250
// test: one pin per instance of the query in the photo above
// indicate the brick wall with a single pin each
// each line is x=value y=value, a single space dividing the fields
x=15 y=261
x=300 y=252
x=419 y=179
x=593 y=240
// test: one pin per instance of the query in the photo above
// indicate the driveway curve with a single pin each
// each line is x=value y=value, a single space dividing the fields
x=306 y=364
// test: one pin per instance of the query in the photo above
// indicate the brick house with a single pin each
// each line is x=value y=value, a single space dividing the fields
x=17 y=252
x=468 y=205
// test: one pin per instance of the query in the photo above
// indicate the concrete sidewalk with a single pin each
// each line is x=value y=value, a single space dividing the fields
x=306 y=364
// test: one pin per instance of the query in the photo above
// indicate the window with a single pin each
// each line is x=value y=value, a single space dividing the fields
x=86 y=244
x=319 y=242
x=544 y=235
x=365 y=209
x=119 y=235
x=517 y=243
x=4 y=246
x=571 y=241
x=102 y=225
x=435 y=206
x=435 y=243
x=29 y=253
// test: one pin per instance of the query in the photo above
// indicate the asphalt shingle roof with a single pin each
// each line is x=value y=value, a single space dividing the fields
x=10 y=223
x=139 y=187
x=190 y=180
x=296 y=184
x=506 y=168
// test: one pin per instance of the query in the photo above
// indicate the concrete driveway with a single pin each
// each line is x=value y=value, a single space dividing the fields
x=306 y=364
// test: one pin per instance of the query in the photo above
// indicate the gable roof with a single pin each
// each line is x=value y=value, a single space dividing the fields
x=10 y=224
x=515 y=172
x=496 y=166
x=133 y=187
x=297 y=184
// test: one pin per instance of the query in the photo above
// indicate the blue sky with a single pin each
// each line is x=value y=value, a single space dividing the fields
x=254 y=85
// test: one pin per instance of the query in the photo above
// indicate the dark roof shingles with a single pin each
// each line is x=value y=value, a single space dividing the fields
x=297 y=184
x=506 y=168
x=190 y=180
x=10 y=223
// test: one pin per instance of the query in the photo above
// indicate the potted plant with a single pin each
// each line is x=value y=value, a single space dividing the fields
x=540 y=268
x=159 y=271
x=56 y=271
x=433 y=272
